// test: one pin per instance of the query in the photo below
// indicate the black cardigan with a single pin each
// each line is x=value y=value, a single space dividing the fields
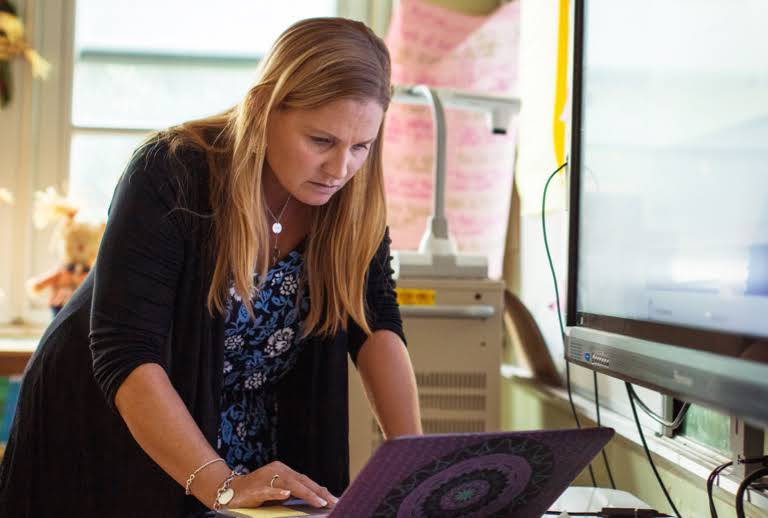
x=69 y=452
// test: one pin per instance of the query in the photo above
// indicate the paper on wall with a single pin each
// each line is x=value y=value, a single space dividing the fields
x=439 y=47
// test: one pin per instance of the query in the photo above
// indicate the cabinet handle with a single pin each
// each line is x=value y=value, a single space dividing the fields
x=470 y=311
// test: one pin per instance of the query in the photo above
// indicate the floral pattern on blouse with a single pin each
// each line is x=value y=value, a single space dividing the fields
x=258 y=352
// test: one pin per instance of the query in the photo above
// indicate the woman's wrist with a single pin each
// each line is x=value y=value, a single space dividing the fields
x=238 y=484
x=225 y=493
x=208 y=482
x=191 y=479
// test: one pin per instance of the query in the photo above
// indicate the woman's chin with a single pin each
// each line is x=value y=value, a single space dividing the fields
x=315 y=199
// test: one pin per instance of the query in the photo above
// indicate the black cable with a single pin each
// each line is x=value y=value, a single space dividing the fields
x=754 y=460
x=558 y=513
x=647 y=451
x=575 y=414
x=710 y=482
x=760 y=473
x=716 y=472
x=597 y=411
x=615 y=512
x=673 y=425
x=546 y=246
x=557 y=303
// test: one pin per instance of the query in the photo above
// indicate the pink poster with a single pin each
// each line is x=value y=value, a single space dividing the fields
x=439 y=47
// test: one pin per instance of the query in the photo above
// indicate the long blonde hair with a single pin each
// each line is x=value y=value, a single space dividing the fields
x=315 y=62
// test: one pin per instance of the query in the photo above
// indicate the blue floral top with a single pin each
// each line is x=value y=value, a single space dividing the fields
x=258 y=352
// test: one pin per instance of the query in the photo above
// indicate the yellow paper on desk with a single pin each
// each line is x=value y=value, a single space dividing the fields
x=269 y=512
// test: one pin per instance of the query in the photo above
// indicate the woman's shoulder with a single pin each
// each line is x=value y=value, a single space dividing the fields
x=383 y=252
x=174 y=172
x=162 y=157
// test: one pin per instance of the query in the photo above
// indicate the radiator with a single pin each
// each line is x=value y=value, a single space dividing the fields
x=454 y=332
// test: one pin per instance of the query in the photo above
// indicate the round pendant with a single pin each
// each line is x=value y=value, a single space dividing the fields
x=226 y=496
x=277 y=227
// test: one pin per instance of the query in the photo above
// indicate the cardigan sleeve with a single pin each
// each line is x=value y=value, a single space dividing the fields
x=382 y=310
x=136 y=273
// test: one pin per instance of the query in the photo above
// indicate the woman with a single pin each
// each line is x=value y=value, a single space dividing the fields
x=245 y=255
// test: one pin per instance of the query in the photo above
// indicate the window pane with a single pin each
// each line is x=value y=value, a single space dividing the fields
x=122 y=95
x=145 y=64
x=97 y=161
x=148 y=64
x=708 y=427
x=224 y=27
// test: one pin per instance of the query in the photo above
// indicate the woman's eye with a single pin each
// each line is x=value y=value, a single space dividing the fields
x=363 y=147
x=322 y=141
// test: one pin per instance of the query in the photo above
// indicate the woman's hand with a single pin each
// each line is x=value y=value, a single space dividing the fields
x=254 y=489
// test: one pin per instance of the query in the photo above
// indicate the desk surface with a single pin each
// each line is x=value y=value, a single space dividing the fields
x=593 y=499
x=15 y=353
x=574 y=499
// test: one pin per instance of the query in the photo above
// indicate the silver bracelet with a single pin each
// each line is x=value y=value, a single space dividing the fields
x=198 y=470
x=225 y=494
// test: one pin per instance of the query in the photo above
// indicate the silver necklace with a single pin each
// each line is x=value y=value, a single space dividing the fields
x=277 y=227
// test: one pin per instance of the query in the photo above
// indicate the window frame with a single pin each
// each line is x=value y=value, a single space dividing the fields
x=40 y=113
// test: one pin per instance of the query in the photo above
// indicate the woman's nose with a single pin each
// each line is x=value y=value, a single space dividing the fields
x=337 y=166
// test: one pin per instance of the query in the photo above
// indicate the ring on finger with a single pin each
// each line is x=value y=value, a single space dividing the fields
x=272 y=482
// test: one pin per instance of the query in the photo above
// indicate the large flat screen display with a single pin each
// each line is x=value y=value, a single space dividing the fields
x=669 y=195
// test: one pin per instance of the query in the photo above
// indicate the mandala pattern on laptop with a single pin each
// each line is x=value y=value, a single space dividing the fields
x=489 y=479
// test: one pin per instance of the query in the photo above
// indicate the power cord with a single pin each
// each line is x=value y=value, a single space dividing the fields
x=647 y=451
x=615 y=512
x=742 y=487
x=674 y=424
x=752 y=477
x=597 y=410
x=710 y=482
x=630 y=391
x=557 y=303
x=562 y=334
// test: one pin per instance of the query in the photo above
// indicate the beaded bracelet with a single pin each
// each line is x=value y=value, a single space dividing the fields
x=198 y=470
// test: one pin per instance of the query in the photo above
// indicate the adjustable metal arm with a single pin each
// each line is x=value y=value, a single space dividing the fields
x=436 y=238
x=438 y=254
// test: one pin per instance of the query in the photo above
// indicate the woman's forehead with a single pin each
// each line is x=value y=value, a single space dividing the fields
x=341 y=117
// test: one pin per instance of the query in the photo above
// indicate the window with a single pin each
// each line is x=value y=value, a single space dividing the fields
x=145 y=65
x=707 y=427
x=121 y=70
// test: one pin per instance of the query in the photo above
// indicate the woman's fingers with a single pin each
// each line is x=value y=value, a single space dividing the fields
x=300 y=485
x=301 y=491
x=257 y=496
x=319 y=490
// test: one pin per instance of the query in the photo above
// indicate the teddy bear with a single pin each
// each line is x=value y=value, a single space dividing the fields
x=77 y=243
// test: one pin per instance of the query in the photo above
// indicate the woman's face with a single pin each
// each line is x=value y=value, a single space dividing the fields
x=313 y=153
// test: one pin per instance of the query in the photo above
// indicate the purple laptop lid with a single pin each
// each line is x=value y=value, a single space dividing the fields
x=468 y=475
x=472 y=475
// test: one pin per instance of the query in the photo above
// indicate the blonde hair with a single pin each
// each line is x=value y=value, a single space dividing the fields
x=315 y=62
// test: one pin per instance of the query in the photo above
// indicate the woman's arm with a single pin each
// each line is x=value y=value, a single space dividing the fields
x=161 y=424
x=382 y=358
x=387 y=374
x=140 y=264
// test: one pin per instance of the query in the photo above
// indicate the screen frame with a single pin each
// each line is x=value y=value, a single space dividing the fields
x=677 y=360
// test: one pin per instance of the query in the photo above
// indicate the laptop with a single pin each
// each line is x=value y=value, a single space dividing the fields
x=468 y=475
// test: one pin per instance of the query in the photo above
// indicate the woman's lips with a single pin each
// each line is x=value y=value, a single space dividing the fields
x=324 y=188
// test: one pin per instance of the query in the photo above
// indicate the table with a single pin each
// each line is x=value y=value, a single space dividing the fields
x=15 y=353
x=589 y=499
